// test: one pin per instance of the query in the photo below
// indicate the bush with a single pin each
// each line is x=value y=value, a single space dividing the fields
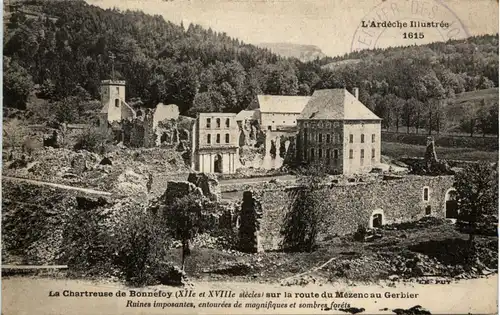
x=93 y=140
x=141 y=244
x=86 y=239
x=14 y=133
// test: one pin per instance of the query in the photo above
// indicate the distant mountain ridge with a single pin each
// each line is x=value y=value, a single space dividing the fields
x=302 y=52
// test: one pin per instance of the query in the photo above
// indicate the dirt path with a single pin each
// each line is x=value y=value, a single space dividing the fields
x=23 y=295
x=42 y=183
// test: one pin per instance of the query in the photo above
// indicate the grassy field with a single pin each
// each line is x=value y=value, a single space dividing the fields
x=397 y=150
x=488 y=143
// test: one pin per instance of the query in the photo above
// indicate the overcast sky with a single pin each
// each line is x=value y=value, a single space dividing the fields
x=329 y=24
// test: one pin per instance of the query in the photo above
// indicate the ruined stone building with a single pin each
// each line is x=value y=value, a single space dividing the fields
x=336 y=130
x=278 y=112
x=146 y=127
x=215 y=143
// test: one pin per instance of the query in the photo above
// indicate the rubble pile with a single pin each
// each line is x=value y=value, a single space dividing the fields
x=424 y=222
x=125 y=171
x=208 y=184
x=132 y=183
x=231 y=269
x=431 y=165
x=251 y=157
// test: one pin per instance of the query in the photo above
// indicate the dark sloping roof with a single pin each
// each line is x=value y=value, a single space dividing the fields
x=336 y=104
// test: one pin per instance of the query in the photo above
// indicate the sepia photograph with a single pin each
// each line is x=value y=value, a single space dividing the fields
x=250 y=157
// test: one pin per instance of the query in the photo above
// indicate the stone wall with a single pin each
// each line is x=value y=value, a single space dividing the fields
x=352 y=204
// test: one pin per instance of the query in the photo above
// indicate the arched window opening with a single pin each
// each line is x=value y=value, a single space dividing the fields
x=377 y=219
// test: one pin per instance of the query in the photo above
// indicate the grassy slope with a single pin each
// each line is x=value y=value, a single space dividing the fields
x=459 y=109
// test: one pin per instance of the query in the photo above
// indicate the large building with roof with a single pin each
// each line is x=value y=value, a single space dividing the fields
x=279 y=112
x=337 y=131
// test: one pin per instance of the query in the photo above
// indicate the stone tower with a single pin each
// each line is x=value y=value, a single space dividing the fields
x=114 y=107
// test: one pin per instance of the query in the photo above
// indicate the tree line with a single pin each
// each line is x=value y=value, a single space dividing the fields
x=203 y=70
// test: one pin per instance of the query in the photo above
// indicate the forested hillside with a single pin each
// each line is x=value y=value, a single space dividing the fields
x=67 y=55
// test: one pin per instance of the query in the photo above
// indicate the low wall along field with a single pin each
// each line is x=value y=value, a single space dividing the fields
x=347 y=206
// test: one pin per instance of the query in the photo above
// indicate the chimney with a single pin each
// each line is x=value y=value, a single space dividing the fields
x=356 y=93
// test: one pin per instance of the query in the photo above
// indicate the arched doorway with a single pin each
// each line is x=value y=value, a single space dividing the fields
x=450 y=204
x=218 y=164
x=377 y=219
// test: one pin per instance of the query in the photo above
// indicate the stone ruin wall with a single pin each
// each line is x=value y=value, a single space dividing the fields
x=401 y=200
x=140 y=132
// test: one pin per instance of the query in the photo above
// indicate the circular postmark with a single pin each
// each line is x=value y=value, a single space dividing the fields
x=407 y=22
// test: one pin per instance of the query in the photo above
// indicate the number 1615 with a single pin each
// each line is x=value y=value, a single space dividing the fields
x=414 y=35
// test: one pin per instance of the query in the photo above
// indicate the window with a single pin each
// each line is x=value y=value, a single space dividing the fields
x=425 y=195
x=227 y=138
x=328 y=138
x=228 y=123
x=362 y=153
x=320 y=138
x=283 y=121
x=208 y=122
x=373 y=138
x=428 y=210
x=351 y=138
x=351 y=154
x=209 y=139
x=373 y=153
x=273 y=121
x=312 y=154
x=117 y=90
x=117 y=103
x=217 y=139
x=328 y=153
x=217 y=122
x=320 y=153
x=362 y=138
x=336 y=154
